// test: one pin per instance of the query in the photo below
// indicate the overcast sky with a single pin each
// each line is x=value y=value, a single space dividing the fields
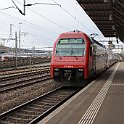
x=43 y=23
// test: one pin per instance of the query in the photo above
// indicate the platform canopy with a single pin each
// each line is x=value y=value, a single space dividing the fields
x=108 y=15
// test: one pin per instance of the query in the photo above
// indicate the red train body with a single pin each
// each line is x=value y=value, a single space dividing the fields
x=76 y=58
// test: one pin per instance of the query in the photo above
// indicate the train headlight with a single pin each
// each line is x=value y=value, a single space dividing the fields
x=81 y=69
x=56 y=69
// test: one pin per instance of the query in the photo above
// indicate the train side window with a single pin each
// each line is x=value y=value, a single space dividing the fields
x=90 y=51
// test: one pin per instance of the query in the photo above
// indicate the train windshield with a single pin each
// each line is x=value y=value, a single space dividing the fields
x=70 y=47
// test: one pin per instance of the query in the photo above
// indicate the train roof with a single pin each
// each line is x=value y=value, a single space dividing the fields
x=94 y=41
x=76 y=31
x=72 y=32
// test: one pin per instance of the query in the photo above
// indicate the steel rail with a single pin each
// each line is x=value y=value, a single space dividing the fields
x=36 y=109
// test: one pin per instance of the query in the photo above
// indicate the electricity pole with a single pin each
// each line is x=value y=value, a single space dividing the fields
x=19 y=38
x=24 y=6
x=16 y=45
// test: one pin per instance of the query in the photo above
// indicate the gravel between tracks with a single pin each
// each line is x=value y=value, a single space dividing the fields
x=17 y=97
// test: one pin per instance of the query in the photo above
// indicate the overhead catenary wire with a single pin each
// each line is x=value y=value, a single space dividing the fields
x=56 y=23
x=38 y=39
x=7 y=8
x=72 y=16
x=36 y=35
x=4 y=28
x=49 y=20
x=4 y=32
x=28 y=22
x=42 y=3
x=10 y=16
x=23 y=13
x=45 y=39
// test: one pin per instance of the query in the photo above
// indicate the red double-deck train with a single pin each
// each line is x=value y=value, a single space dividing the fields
x=76 y=57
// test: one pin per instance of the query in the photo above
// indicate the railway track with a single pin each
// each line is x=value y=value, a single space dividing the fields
x=36 y=109
x=14 y=73
x=19 y=83
x=23 y=78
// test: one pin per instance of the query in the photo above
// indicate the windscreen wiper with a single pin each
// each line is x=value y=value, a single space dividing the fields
x=58 y=55
x=72 y=52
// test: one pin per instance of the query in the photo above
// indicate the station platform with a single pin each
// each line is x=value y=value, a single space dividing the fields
x=100 y=102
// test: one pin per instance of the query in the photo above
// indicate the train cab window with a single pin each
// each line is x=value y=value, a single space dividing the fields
x=70 y=47
x=71 y=40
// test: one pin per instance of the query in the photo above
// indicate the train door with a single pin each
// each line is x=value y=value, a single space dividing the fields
x=94 y=56
x=92 y=62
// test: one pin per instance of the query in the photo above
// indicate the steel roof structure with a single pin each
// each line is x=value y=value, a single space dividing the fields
x=108 y=15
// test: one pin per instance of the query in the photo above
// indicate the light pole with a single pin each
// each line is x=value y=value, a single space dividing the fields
x=19 y=37
x=10 y=32
x=16 y=46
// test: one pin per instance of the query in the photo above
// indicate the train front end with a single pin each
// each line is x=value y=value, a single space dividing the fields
x=69 y=61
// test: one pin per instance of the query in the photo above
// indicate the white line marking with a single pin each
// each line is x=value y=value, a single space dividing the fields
x=117 y=84
x=54 y=113
x=92 y=111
